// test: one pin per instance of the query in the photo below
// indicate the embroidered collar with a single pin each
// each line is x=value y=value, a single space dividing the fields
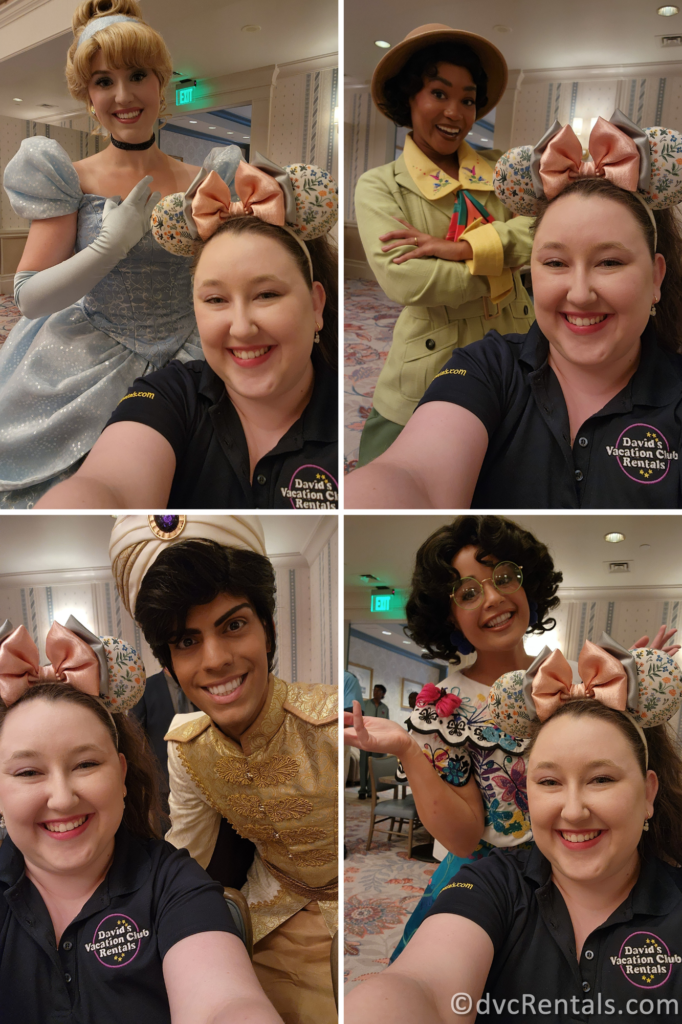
x=433 y=182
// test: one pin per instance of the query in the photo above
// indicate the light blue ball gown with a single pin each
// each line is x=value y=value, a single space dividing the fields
x=62 y=375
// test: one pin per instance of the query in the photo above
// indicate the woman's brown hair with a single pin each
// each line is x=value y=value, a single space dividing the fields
x=668 y=320
x=664 y=836
x=126 y=44
x=142 y=812
x=324 y=259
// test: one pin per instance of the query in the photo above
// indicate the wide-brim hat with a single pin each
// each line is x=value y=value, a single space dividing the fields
x=494 y=64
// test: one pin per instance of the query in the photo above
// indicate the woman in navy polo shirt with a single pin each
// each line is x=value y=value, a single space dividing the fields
x=256 y=425
x=589 y=923
x=100 y=920
x=584 y=411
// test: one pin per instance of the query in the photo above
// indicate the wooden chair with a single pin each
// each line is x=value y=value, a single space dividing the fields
x=399 y=809
x=241 y=915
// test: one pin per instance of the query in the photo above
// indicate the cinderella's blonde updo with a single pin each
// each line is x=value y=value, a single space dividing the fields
x=126 y=44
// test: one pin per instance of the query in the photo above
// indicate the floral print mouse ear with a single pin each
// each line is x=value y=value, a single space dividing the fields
x=644 y=684
x=317 y=201
x=513 y=181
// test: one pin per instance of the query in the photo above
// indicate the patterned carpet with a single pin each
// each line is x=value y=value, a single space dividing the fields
x=382 y=887
x=9 y=314
x=369 y=321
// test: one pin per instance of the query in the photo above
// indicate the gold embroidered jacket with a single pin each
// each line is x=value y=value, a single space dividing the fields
x=278 y=788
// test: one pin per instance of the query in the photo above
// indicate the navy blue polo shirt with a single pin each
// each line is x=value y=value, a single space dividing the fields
x=187 y=403
x=108 y=967
x=630 y=967
x=627 y=455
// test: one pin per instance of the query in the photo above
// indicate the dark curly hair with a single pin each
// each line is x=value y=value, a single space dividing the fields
x=664 y=836
x=429 y=608
x=423 y=65
x=195 y=572
x=668 y=322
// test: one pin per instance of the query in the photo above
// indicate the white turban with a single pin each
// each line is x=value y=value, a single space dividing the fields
x=137 y=541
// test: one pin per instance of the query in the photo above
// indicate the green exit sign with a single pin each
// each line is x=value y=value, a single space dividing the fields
x=185 y=95
x=380 y=603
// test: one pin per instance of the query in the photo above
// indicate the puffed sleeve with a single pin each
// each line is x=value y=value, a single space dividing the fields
x=41 y=181
x=224 y=160
x=194 y=823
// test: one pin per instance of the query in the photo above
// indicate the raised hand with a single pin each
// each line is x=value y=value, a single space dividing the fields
x=375 y=735
x=124 y=224
x=659 y=642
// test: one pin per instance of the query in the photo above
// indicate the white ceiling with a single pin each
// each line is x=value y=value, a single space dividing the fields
x=385 y=545
x=222 y=130
x=47 y=543
x=544 y=33
x=205 y=39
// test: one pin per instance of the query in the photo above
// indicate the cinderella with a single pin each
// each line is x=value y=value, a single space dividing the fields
x=102 y=301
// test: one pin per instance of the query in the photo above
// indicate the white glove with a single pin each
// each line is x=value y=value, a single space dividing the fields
x=39 y=293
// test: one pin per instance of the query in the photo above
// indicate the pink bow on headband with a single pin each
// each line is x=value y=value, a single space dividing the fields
x=614 y=156
x=603 y=678
x=258 y=193
x=71 y=661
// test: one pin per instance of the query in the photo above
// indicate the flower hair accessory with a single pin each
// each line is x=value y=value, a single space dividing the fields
x=644 y=161
x=446 y=703
x=302 y=199
x=644 y=684
x=104 y=667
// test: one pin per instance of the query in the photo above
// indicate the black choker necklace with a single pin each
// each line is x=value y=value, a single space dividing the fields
x=133 y=145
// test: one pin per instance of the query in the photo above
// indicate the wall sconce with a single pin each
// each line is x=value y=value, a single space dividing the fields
x=578 y=125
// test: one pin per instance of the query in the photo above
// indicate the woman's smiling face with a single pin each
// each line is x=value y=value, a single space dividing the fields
x=61 y=785
x=587 y=797
x=126 y=100
x=256 y=315
x=444 y=110
x=499 y=622
x=593 y=280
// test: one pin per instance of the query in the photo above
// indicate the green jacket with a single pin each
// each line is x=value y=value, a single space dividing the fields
x=445 y=305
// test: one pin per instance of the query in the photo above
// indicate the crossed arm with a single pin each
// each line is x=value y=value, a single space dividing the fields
x=433 y=463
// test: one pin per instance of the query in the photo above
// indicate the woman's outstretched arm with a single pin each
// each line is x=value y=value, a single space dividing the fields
x=130 y=466
x=438 y=978
x=452 y=815
x=433 y=463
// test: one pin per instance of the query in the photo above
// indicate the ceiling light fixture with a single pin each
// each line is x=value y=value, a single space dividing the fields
x=668 y=11
x=246 y=136
x=386 y=633
x=193 y=122
x=502 y=29
x=250 y=28
x=211 y=128
x=229 y=133
x=407 y=641
x=18 y=100
x=614 y=538
x=382 y=44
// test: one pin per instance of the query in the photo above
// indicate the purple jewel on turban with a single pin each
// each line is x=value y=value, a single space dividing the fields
x=167 y=523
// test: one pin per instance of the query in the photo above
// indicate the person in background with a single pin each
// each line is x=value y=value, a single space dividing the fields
x=373 y=708
x=160 y=702
x=412 y=701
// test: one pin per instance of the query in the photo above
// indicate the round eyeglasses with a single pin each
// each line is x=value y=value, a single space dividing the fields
x=507 y=578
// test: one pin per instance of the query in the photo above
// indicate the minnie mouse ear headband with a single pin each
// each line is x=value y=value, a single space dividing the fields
x=492 y=61
x=137 y=541
x=104 y=667
x=644 y=161
x=301 y=198
x=643 y=684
